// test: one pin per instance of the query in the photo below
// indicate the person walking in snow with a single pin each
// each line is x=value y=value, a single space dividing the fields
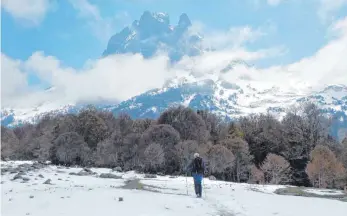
x=197 y=169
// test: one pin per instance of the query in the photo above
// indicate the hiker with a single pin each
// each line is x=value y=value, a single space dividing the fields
x=197 y=169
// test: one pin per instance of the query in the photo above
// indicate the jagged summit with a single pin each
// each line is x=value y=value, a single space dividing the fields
x=153 y=24
x=153 y=32
x=184 y=21
x=226 y=97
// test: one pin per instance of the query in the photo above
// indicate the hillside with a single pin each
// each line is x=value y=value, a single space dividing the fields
x=228 y=100
x=88 y=193
x=226 y=89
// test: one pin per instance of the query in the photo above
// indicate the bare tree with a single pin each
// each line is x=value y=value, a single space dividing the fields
x=130 y=151
x=106 y=154
x=256 y=175
x=242 y=160
x=214 y=125
x=263 y=135
x=188 y=123
x=65 y=123
x=110 y=152
x=92 y=128
x=43 y=136
x=46 y=124
x=9 y=143
x=343 y=156
x=25 y=134
x=70 y=149
x=315 y=124
x=154 y=157
x=257 y=148
x=119 y=151
x=124 y=124
x=165 y=135
x=234 y=131
x=185 y=150
x=303 y=128
x=141 y=125
x=28 y=142
x=109 y=119
x=40 y=146
x=324 y=170
x=220 y=159
x=276 y=169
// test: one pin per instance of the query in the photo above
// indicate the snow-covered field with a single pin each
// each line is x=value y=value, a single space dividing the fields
x=91 y=195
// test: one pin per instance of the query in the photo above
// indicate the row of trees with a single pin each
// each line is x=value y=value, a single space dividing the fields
x=259 y=148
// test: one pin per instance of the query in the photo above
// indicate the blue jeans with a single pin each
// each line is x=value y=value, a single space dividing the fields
x=197 y=184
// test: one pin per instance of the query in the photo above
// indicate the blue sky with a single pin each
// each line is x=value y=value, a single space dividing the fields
x=66 y=33
x=72 y=34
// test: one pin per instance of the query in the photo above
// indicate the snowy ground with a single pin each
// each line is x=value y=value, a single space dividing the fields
x=90 y=195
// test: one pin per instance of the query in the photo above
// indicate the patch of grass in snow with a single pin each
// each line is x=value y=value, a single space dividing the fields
x=135 y=184
x=225 y=213
x=300 y=191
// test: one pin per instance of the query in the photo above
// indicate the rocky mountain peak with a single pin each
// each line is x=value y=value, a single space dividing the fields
x=147 y=35
x=184 y=21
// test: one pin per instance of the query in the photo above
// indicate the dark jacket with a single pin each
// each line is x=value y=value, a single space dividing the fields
x=192 y=169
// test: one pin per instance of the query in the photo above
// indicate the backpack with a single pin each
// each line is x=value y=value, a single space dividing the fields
x=197 y=165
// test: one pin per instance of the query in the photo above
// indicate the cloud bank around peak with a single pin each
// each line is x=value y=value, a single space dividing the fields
x=325 y=67
x=120 y=77
x=234 y=37
x=111 y=78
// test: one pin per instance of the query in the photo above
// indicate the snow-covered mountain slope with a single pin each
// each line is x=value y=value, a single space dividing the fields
x=232 y=100
x=90 y=194
x=152 y=33
x=17 y=115
x=12 y=117
x=226 y=99
x=225 y=88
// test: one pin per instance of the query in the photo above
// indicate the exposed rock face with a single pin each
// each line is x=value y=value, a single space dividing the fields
x=153 y=33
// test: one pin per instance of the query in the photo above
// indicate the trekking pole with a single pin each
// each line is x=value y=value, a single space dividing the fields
x=187 y=183
x=203 y=183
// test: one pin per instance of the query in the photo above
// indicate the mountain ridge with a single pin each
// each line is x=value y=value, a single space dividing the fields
x=153 y=32
x=228 y=99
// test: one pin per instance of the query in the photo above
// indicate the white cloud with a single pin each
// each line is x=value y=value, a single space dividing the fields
x=235 y=37
x=213 y=62
x=101 y=27
x=327 y=8
x=274 y=2
x=28 y=11
x=86 y=9
x=13 y=80
x=120 y=77
x=328 y=65
x=114 y=78
x=325 y=67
